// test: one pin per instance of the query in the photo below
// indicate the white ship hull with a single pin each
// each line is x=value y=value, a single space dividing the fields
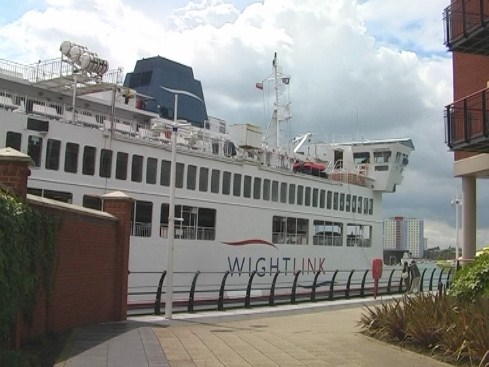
x=252 y=211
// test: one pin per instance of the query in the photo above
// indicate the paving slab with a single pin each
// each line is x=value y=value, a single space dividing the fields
x=318 y=334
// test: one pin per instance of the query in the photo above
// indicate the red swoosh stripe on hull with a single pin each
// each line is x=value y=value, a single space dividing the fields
x=249 y=242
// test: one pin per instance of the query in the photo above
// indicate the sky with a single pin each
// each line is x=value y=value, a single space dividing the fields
x=370 y=69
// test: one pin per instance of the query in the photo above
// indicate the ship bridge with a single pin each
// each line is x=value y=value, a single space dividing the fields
x=382 y=162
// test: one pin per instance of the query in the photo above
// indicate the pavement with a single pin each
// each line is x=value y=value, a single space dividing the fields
x=314 y=334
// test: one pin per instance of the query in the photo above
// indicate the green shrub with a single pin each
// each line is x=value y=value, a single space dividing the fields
x=14 y=359
x=27 y=252
x=472 y=280
x=439 y=324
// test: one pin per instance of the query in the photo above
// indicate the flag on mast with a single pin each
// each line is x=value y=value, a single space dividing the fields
x=259 y=86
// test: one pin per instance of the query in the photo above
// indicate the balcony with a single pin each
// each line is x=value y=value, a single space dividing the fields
x=466 y=26
x=467 y=123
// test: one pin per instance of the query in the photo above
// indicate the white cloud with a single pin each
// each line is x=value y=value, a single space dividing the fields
x=374 y=69
x=213 y=12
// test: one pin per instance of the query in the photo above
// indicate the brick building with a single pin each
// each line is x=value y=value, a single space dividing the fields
x=467 y=117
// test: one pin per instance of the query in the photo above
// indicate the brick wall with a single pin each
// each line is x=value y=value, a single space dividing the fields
x=470 y=74
x=91 y=265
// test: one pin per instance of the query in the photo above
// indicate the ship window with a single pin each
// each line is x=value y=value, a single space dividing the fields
x=195 y=224
x=257 y=188
x=329 y=199
x=283 y=192
x=140 y=79
x=35 y=124
x=266 y=189
x=191 y=177
x=105 y=163
x=206 y=224
x=398 y=157
x=121 y=166
x=203 y=179
x=292 y=194
x=142 y=213
x=358 y=235
x=71 y=157
x=165 y=173
x=289 y=230
x=274 y=190
x=179 y=175
x=33 y=191
x=215 y=146
x=137 y=169
x=335 y=201
x=65 y=197
x=327 y=233
x=34 y=149
x=134 y=79
x=300 y=194
x=13 y=140
x=247 y=186
x=361 y=158
x=146 y=78
x=151 y=168
x=237 y=184
x=382 y=157
x=226 y=183
x=348 y=202
x=53 y=148
x=342 y=201
x=359 y=205
x=88 y=160
x=371 y=207
x=322 y=198
x=315 y=197
x=353 y=203
x=92 y=202
x=215 y=178
x=307 y=200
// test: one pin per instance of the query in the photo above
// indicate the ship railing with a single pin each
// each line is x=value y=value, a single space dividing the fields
x=204 y=291
x=328 y=240
x=190 y=232
x=15 y=70
x=190 y=138
x=358 y=242
x=290 y=239
x=140 y=229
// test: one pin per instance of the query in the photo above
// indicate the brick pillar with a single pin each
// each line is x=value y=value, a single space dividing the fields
x=120 y=205
x=14 y=171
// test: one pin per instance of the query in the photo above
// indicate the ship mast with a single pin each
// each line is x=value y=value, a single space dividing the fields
x=274 y=135
x=278 y=108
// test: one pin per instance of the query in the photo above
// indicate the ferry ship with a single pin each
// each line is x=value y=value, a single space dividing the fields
x=245 y=199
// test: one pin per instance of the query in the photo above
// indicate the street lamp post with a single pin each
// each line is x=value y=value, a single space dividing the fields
x=171 y=213
x=457 y=203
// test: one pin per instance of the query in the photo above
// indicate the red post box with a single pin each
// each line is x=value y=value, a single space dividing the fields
x=376 y=273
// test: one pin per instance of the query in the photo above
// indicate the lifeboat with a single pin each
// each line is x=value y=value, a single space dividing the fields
x=311 y=168
x=314 y=166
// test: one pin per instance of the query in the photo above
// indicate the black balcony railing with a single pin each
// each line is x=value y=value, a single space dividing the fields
x=466 y=26
x=467 y=123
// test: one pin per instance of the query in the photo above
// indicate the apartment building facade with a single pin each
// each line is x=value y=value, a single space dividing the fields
x=466 y=24
x=405 y=235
